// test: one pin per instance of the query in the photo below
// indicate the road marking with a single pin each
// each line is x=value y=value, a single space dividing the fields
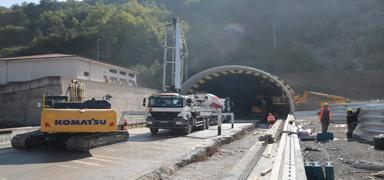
x=87 y=163
x=107 y=157
x=68 y=166
x=104 y=160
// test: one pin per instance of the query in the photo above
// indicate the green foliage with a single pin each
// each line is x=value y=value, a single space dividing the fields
x=310 y=35
x=128 y=32
x=150 y=76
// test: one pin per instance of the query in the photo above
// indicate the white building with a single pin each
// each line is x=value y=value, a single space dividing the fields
x=27 y=68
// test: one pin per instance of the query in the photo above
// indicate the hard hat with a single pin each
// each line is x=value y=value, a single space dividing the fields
x=325 y=104
x=349 y=110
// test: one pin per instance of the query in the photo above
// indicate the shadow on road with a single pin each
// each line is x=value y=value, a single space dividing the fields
x=10 y=156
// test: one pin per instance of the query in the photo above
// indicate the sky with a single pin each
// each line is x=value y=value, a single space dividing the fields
x=9 y=3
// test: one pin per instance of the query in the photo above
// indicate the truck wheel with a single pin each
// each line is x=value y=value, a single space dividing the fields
x=154 y=131
x=188 y=129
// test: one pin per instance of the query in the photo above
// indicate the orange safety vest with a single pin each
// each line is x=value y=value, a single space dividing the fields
x=271 y=119
x=321 y=112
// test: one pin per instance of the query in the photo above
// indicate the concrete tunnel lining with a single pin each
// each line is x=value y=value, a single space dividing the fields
x=208 y=76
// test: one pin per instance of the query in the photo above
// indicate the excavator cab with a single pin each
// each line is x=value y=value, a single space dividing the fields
x=48 y=101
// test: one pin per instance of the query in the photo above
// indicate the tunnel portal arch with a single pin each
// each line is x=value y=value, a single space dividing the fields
x=218 y=78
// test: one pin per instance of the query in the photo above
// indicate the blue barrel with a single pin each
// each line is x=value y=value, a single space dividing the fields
x=329 y=171
x=308 y=166
x=318 y=171
x=324 y=136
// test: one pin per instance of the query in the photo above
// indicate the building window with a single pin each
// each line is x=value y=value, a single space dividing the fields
x=123 y=73
x=86 y=74
x=123 y=81
x=113 y=70
x=131 y=83
x=131 y=75
x=113 y=80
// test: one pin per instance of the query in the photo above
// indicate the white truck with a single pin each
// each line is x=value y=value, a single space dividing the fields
x=174 y=111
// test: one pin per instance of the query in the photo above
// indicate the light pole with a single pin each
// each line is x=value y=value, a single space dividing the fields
x=274 y=35
x=97 y=49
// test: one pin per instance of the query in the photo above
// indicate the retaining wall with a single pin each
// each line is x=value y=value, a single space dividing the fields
x=18 y=101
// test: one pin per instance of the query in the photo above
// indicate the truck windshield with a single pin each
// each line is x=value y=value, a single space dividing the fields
x=165 y=102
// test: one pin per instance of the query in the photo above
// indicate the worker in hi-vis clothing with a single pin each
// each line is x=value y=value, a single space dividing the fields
x=352 y=120
x=271 y=119
x=325 y=116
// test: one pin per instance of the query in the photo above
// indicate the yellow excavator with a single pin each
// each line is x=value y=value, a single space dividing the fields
x=325 y=98
x=80 y=125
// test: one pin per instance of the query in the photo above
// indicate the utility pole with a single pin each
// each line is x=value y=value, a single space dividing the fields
x=274 y=45
x=274 y=35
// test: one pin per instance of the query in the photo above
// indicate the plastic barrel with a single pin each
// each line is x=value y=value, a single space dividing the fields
x=318 y=171
x=329 y=171
x=308 y=166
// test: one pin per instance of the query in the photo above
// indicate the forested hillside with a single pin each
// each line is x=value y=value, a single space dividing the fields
x=309 y=35
x=128 y=32
x=276 y=36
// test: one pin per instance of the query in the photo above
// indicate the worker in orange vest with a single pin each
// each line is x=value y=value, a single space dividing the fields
x=325 y=116
x=271 y=119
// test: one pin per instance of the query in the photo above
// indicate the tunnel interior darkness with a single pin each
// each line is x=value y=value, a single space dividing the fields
x=253 y=95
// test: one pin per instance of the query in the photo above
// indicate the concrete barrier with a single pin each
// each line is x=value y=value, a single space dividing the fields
x=289 y=163
x=244 y=167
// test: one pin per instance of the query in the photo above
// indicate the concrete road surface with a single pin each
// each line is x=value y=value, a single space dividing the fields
x=142 y=154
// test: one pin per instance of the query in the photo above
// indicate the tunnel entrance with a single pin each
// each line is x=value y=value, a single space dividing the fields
x=254 y=92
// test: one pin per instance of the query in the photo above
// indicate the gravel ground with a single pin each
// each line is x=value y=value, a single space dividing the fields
x=222 y=162
x=352 y=159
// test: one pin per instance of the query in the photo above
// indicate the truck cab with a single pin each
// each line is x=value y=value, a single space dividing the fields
x=171 y=111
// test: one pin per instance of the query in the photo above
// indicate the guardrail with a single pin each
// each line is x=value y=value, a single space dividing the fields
x=289 y=164
x=371 y=118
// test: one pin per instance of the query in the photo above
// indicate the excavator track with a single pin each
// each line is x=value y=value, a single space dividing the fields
x=84 y=142
x=27 y=140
